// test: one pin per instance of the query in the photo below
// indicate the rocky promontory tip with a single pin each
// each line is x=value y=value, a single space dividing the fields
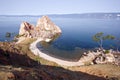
x=44 y=29
x=45 y=23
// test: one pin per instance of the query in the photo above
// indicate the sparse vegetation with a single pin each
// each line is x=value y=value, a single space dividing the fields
x=18 y=36
x=106 y=51
x=23 y=48
x=55 y=71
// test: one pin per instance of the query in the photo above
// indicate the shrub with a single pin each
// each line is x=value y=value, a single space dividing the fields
x=17 y=36
x=8 y=34
x=106 y=51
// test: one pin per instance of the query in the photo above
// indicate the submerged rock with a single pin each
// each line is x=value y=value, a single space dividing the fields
x=44 y=29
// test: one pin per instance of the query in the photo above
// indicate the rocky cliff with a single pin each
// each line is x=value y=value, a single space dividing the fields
x=26 y=29
x=44 y=29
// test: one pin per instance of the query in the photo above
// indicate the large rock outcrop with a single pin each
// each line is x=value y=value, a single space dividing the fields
x=100 y=57
x=44 y=29
x=26 y=29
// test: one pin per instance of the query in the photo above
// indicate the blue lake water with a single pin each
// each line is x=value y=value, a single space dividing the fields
x=76 y=33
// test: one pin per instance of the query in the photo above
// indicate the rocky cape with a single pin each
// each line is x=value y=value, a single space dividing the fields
x=44 y=29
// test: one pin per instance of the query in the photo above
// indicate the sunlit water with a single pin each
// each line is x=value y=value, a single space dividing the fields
x=76 y=34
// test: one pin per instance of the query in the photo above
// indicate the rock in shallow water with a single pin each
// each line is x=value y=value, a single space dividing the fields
x=44 y=29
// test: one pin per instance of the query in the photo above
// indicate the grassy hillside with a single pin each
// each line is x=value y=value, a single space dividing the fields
x=18 y=63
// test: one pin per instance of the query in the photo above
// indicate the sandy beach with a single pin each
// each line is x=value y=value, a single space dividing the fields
x=38 y=52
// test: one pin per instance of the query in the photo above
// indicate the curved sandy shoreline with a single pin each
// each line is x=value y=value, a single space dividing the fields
x=38 y=52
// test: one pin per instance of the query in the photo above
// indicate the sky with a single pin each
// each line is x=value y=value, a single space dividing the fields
x=39 y=7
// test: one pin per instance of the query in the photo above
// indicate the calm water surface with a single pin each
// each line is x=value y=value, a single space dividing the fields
x=76 y=34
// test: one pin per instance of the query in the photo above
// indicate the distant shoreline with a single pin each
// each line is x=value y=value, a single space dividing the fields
x=96 y=15
x=38 y=52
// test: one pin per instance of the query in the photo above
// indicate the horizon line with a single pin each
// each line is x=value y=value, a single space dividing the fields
x=62 y=13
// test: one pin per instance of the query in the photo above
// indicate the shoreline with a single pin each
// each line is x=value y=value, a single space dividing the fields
x=38 y=52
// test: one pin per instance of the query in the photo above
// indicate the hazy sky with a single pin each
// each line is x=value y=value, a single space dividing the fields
x=37 y=7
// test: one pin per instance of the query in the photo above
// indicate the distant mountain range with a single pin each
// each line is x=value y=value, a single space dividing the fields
x=84 y=15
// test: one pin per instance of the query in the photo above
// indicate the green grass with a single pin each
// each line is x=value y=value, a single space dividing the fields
x=24 y=47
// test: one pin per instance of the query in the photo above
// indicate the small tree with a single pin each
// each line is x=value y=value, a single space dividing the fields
x=99 y=38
